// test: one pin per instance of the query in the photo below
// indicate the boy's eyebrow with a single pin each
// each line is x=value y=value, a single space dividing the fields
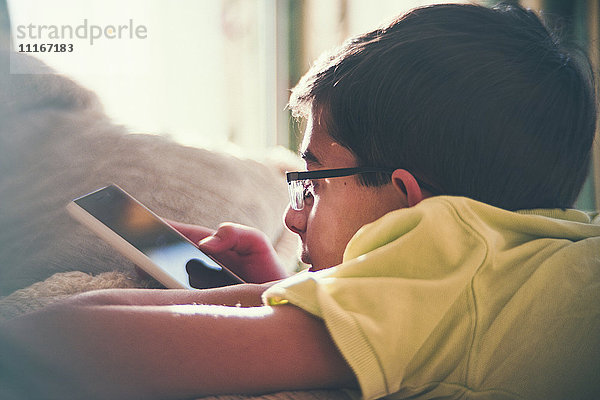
x=309 y=157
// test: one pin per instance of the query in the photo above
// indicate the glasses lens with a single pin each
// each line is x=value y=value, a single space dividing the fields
x=296 y=191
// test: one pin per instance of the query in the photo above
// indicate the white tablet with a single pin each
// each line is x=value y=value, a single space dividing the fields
x=147 y=240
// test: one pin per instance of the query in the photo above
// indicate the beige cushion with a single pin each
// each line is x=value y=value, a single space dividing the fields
x=56 y=143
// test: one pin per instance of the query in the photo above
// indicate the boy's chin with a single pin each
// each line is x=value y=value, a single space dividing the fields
x=315 y=265
x=304 y=257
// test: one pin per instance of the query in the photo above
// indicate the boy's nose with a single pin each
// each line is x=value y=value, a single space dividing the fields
x=295 y=220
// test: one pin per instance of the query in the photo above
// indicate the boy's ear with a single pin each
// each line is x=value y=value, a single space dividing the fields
x=407 y=184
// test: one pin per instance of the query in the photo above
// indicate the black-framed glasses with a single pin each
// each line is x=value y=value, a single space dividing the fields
x=300 y=184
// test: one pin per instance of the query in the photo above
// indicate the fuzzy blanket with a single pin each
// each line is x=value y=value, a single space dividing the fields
x=56 y=143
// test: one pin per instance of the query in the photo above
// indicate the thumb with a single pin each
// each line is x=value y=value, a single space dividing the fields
x=211 y=243
x=225 y=238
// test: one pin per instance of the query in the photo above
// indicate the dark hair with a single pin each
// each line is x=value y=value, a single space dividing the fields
x=480 y=102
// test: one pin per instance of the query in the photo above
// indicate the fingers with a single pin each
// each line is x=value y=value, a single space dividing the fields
x=246 y=251
x=194 y=233
x=241 y=239
x=238 y=238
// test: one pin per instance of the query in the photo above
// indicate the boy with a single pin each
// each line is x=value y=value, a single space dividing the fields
x=441 y=152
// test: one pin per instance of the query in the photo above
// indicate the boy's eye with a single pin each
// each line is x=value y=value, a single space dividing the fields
x=308 y=189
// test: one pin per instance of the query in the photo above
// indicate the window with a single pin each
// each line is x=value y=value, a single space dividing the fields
x=203 y=72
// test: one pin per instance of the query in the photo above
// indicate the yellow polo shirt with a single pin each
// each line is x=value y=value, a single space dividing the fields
x=454 y=298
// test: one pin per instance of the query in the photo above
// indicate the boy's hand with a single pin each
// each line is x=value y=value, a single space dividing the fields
x=245 y=251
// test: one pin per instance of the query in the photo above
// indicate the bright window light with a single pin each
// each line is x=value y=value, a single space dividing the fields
x=198 y=71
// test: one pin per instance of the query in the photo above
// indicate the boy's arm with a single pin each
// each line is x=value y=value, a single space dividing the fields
x=245 y=295
x=124 y=351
